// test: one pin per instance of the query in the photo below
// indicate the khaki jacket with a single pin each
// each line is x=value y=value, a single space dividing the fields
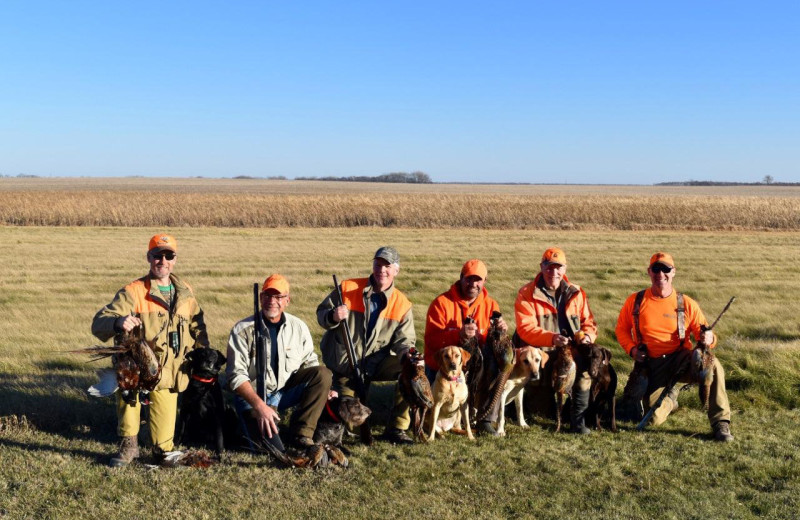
x=392 y=335
x=295 y=351
x=143 y=298
x=537 y=318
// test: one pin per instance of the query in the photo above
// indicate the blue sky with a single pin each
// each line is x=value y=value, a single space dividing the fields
x=576 y=92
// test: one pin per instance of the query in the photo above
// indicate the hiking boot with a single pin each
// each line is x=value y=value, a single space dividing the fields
x=301 y=442
x=397 y=436
x=577 y=412
x=128 y=450
x=722 y=432
x=486 y=428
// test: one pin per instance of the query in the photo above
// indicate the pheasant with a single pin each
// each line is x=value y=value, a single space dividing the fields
x=135 y=367
x=499 y=345
x=563 y=378
x=702 y=370
x=416 y=390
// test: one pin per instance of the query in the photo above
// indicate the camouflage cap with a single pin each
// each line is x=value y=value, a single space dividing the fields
x=389 y=254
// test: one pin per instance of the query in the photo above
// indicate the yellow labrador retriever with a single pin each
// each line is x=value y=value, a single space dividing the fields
x=528 y=364
x=450 y=407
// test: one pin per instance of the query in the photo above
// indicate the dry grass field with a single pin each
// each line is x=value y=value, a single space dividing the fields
x=270 y=204
x=55 y=279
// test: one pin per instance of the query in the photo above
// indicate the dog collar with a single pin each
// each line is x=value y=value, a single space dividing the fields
x=202 y=380
x=330 y=411
x=455 y=378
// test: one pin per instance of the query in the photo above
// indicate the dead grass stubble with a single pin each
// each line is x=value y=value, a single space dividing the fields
x=425 y=210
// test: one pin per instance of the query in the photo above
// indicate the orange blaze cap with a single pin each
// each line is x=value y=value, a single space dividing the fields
x=554 y=255
x=662 y=258
x=276 y=282
x=474 y=267
x=162 y=242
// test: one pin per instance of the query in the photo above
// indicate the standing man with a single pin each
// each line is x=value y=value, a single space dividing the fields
x=293 y=377
x=550 y=305
x=382 y=326
x=172 y=320
x=653 y=328
x=447 y=324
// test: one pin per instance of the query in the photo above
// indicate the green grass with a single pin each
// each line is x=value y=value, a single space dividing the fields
x=55 y=279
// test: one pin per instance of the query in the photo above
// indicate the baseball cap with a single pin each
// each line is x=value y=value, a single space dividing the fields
x=163 y=242
x=277 y=282
x=474 y=267
x=662 y=258
x=554 y=255
x=389 y=254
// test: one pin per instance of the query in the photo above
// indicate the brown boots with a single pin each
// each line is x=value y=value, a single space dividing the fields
x=128 y=450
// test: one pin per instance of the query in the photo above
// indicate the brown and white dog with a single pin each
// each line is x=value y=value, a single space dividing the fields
x=450 y=405
x=528 y=365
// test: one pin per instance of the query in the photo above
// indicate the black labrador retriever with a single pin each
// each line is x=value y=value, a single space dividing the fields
x=202 y=416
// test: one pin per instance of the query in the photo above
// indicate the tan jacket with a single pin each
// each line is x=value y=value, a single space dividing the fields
x=295 y=351
x=537 y=318
x=143 y=298
x=393 y=333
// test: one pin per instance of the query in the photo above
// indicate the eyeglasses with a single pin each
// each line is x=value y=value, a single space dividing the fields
x=661 y=268
x=278 y=297
x=165 y=256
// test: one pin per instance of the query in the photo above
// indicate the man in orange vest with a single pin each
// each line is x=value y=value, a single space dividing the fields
x=166 y=309
x=381 y=325
x=447 y=323
x=654 y=326
x=549 y=311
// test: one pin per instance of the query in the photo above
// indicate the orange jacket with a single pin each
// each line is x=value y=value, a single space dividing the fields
x=537 y=319
x=446 y=317
x=658 y=321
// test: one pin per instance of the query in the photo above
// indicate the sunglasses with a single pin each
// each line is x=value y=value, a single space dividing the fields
x=661 y=268
x=165 y=256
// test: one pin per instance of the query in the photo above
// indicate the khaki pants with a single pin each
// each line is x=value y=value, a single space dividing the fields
x=163 y=413
x=661 y=370
x=388 y=370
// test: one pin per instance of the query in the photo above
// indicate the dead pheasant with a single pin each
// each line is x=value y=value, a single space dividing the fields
x=702 y=370
x=135 y=367
x=563 y=378
x=499 y=345
x=416 y=390
x=703 y=361
x=473 y=369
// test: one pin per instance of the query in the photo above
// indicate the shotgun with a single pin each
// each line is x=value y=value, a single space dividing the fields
x=355 y=367
x=261 y=355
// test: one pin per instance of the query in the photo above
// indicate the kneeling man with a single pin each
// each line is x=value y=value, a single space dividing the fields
x=292 y=376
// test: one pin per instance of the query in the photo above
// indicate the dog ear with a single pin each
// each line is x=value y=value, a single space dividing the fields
x=221 y=359
x=545 y=358
x=606 y=356
x=465 y=355
x=439 y=356
x=190 y=355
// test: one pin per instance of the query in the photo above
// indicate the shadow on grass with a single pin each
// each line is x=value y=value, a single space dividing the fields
x=48 y=408
x=95 y=456
x=755 y=334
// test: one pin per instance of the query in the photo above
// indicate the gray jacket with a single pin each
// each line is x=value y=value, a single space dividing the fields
x=295 y=351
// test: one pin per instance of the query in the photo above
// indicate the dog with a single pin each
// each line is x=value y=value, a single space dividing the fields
x=602 y=399
x=202 y=414
x=528 y=365
x=339 y=413
x=450 y=405
x=563 y=378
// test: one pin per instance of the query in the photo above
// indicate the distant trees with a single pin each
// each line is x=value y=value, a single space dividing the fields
x=397 y=177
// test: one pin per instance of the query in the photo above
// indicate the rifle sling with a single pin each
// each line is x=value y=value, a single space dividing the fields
x=681 y=315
